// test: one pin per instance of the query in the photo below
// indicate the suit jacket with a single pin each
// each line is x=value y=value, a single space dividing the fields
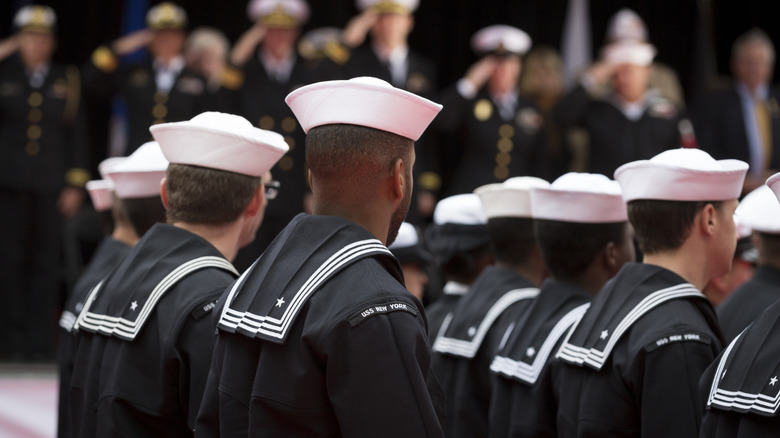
x=719 y=123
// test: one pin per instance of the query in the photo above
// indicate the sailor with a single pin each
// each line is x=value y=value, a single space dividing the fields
x=130 y=190
x=740 y=388
x=634 y=360
x=759 y=211
x=460 y=245
x=144 y=336
x=470 y=334
x=414 y=258
x=583 y=231
x=319 y=337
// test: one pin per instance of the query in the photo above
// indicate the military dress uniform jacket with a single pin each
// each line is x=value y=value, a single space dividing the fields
x=421 y=76
x=320 y=338
x=107 y=255
x=261 y=101
x=525 y=385
x=613 y=138
x=634 y=360
x=146 y=105
x=741 y=387
x=748 y=301
x=43 y=142
x=469 y=339
x=719 y=122
x=490 y=149
x=144 y=338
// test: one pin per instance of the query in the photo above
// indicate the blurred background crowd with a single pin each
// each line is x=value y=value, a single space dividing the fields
x=530 y=88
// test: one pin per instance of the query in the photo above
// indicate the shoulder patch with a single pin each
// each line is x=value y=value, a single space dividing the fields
x=379 y=309
x=204 y=309
x=678 y=337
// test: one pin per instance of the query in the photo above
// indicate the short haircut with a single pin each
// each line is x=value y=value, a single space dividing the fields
x=465 y=264
x=144 y=212
x=770 y=245
x=341 y=152
x=569 y=248
x=512 y=239
x=753 y=36
x=200 y=195
x=663 y=225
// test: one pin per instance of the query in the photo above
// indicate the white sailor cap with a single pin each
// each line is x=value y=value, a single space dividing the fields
x=363 y=101
x=465 y=209
x=580 y=198
x=107 y=164
x=100 y=193
x=36 y=18
x=760 y=211
x=140 y=174
x=408 y=247
x=501 y=39
x=285 y=14
x=512 y=198
x=220 y=141
x=628 y=52
x=626 y=25
x=682 y=175
x=389 y=6
x=166 y=15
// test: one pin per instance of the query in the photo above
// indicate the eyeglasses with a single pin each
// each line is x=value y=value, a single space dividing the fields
x=271 y=189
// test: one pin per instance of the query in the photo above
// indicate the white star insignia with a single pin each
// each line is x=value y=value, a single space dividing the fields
x=604 y=334
x=133 y=305
x=279 y=302
x=530 y=352
x=773 y=380
x=472 y=331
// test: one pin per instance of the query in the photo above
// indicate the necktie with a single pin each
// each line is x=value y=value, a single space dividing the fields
x=764 y=129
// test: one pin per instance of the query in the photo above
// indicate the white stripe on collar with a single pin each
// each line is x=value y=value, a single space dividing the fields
x=126 y=329
x=728 y=400
x=530 y=373
x=277 y=328
x=595 y=358
x=468 y=349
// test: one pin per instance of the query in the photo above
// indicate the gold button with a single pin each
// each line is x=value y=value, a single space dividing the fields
x=505 y=145
x=35 y=99
x=503 y=159
x=266 y=122
x=506 y=130
x=290 y=142
x=32 y=148
x=160 y=111
x=33 y=132
x=289 y=124
x=286 y=163
x=35 y=115
x=501 y=172
x=160 y=97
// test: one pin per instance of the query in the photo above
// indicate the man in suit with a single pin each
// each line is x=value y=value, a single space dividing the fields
x=742 y=121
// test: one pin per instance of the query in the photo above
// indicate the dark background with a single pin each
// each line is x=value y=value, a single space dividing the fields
x=443 y=27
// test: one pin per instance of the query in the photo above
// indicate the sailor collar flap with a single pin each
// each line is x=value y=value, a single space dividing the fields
x=463 y=330
x=625 y=300
x=268 y=297
x=531 y=341
x=746 y=378
x=121 y=304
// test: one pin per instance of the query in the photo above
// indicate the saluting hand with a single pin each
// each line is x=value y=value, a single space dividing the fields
x=480 y=72
x=356 y=30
